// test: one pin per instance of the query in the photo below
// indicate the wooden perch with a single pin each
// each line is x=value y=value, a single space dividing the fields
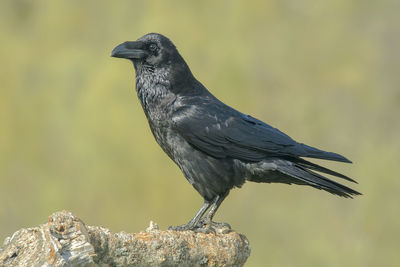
x=66 y=241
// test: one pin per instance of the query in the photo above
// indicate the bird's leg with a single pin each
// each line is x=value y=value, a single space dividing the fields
x=207 y=220
x=193 y=223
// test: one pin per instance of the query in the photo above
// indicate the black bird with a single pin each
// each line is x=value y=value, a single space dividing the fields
x=216 y=147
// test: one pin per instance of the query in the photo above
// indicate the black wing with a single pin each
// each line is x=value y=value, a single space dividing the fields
x=221 y=132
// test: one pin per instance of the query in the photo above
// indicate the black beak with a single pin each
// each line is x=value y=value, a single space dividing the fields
x=129 y=50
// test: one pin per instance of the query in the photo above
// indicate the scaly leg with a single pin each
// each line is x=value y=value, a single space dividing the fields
x=207 y=220
x=193 y=223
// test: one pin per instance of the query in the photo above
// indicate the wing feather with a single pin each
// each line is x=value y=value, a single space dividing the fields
x=236 y=135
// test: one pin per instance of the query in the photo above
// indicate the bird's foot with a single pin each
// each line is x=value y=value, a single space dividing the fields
x=191 y=225
x=205 y=226
x=205 y=229
x=221 y=226
x=183 y=227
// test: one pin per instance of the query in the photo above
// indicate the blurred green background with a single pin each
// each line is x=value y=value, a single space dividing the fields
x=73 y=135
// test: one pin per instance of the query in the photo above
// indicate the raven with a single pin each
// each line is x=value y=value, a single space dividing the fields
x=216 y=147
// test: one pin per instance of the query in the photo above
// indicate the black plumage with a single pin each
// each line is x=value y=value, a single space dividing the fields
x=216 y=147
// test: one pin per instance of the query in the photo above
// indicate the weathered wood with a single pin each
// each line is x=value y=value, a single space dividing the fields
x=66 y=241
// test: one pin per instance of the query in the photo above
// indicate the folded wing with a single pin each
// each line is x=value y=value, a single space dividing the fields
x=233 y=134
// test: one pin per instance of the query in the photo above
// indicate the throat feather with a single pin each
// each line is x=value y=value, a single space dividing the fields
x=152 y=87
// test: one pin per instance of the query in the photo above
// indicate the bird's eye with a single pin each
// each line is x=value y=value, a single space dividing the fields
x=153 y=47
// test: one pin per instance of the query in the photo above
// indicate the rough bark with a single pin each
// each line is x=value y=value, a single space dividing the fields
x=66 y=241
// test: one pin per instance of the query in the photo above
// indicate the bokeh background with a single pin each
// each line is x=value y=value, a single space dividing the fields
x=73 y=135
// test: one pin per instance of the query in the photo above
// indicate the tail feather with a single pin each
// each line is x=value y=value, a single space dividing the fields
x=317 y=181
x=309 y=165
x=312 y=152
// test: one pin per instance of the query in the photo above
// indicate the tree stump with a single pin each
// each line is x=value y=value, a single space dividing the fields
x=66 y=241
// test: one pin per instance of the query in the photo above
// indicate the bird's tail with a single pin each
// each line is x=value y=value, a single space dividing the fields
x=309 y=165
x=301 y=174
x=312 y=152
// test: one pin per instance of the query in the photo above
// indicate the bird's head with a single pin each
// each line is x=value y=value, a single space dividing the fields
x=152 y=49
x=156 y=54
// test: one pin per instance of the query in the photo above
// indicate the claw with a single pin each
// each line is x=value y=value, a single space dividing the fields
x=183 y=227
x=205 y=230
x=208 y=222
x=221 y=225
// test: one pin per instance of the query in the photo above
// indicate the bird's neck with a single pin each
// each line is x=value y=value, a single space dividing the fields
x=176 y=77
x=152 y=85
